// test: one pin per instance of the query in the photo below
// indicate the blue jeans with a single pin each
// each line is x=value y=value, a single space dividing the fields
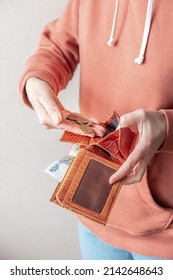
x=92 y=248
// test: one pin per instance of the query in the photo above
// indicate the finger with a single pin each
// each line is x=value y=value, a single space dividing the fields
x=43 y=116
x=132 y=118
x=137 y=173
x=71 y=126
x=99 y=130
x=129 y=164
x=91 y=119
x=94 y=120
x=53 y=107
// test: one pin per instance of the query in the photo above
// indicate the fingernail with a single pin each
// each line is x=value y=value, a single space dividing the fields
x=110 y=181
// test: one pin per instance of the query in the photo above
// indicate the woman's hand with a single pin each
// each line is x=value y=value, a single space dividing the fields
x=151 y=128
x=50 y=111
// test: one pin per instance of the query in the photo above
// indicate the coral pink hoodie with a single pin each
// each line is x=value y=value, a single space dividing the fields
x=142 y=217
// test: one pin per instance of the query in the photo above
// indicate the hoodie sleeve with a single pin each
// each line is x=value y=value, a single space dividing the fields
x=168 y=144
x=58 y=54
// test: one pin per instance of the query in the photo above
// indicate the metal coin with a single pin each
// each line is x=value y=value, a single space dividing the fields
x=81 y=120
x=71 y=117
x=86 y=129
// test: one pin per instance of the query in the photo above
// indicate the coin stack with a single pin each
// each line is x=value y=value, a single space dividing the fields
x=82 y=122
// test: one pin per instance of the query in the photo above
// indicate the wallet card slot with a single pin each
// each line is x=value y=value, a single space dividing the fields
x=94 y=187
x=95 y=206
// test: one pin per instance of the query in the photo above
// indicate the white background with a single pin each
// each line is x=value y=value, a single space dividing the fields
x=31 y=227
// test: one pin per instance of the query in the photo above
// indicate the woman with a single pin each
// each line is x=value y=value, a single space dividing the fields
x=126 y=64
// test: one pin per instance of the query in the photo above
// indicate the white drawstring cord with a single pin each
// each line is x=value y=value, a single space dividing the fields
x=140 y=58
x=112 y=40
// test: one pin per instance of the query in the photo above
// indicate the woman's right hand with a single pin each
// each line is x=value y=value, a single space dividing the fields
x=50 y=111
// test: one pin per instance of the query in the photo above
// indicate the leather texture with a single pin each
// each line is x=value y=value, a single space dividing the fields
x=85 y=188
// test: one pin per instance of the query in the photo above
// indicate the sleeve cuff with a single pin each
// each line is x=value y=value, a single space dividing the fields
x=168 y=144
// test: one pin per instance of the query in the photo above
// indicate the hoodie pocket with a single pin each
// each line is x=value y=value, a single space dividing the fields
x=136 y=212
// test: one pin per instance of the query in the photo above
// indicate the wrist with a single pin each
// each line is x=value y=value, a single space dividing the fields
x=163 y=127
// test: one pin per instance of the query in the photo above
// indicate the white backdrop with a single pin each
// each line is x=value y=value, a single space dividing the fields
x=31 y=227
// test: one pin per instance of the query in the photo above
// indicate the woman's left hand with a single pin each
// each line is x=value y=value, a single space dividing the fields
x=151 y=128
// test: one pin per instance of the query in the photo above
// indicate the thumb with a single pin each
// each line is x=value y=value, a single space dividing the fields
x=129 y=119
x=53 y=107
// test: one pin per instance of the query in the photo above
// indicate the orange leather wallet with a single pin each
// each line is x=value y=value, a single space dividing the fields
x=85 y=188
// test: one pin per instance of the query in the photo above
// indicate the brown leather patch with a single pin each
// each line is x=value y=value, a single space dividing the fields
x=94 y=187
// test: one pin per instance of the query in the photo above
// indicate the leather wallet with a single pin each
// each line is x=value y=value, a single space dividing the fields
x=85 y=188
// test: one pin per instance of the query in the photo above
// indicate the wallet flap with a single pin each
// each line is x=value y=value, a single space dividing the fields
x=71 y=137
x=118 y=143
x=126 y=141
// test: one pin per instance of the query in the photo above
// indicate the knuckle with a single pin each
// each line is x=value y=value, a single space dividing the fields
x=142 y=113
x=123 y=118
x=138 y=178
